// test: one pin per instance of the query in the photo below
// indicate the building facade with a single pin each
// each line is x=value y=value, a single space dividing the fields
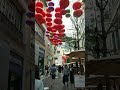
x=14 y=35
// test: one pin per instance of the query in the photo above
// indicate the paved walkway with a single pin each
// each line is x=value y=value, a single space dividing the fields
x=57 y=84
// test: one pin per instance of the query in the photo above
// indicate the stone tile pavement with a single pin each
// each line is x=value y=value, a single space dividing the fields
x=57 y=84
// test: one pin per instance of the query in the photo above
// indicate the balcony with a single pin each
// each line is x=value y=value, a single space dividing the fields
x=10 y=30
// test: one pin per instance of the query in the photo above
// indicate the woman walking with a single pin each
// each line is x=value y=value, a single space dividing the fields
x=65 y=75
x=53 y=74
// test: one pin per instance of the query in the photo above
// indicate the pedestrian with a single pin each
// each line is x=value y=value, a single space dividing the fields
x=46 y=70
x=38 y=83
x=71 y=75
x=53 y=70
x=59 y=71
x=65 y=75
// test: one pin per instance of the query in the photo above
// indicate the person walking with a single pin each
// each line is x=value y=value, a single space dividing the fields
x=71 y=75
x=53 y=70
x=65 y=75
x=46 y=70
x=59 y=71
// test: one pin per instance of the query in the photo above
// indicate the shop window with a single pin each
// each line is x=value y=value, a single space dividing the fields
x=58 y=52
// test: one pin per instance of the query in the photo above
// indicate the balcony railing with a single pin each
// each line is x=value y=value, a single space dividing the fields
x=10 y=30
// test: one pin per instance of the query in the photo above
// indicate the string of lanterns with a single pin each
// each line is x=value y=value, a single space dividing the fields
x=55 y=32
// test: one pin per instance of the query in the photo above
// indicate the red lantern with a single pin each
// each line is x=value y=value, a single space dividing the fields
x=62 y=30
x=58 y=26
x=41 y=21
x=50 y=4
x=53 y=30
x=63 y=11
x=58 y=9
x=43 y=13
x=54 y=33
x=48 y=19
x=58 y=21
x=64 y=4
x=49 y=28
x=49 y=24
x=39 y=4
x=58 y=14
x=31 y=6
x=77 y=13
x=77 y=5
x=48 y=14
x=47 y=10
x=61 y=34
x=51 y=39
x=38 y=9
x=38 y=16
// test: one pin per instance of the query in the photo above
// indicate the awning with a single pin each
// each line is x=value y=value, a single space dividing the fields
x=79 y=54
x=103 y=66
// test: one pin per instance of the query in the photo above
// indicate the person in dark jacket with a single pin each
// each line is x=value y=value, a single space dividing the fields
x=71 y=75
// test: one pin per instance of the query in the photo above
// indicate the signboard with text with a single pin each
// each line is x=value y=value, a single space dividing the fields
x=79 y=81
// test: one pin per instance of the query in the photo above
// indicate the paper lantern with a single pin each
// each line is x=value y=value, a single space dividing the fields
x=62 y=30
x=29 y=22
x=51 y=8
x=38 y=16
x=30 y=14
x=49 y=28
x=39 y=4
x=77 y=13
x=58 y=21
x=31 y=6
x=58 y=14
x=38 y=9
x=63 y=11
x=77 y=5
x=49 y=24
x=41 y=21
x=58 y=26
x=43 y=13
x=53 y=30
x=47 y=10
x=58 y=9
x=64 y=4
x=67 y=15
x=50 y=4
x=48 y=19
x=48 y=14
x=61 y=34
x=54 y=33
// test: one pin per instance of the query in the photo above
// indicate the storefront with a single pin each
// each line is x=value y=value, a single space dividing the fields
x=15 y=72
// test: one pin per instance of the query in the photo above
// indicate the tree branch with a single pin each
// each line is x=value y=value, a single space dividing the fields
x=106 y=2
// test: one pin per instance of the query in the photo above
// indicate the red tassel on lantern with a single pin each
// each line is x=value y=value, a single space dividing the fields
x=77 y=13
x=77 y=5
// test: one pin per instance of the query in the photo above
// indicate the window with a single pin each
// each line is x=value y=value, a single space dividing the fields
x=58 y=51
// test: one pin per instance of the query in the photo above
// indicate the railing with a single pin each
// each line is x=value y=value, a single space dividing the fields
x=10 y=30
